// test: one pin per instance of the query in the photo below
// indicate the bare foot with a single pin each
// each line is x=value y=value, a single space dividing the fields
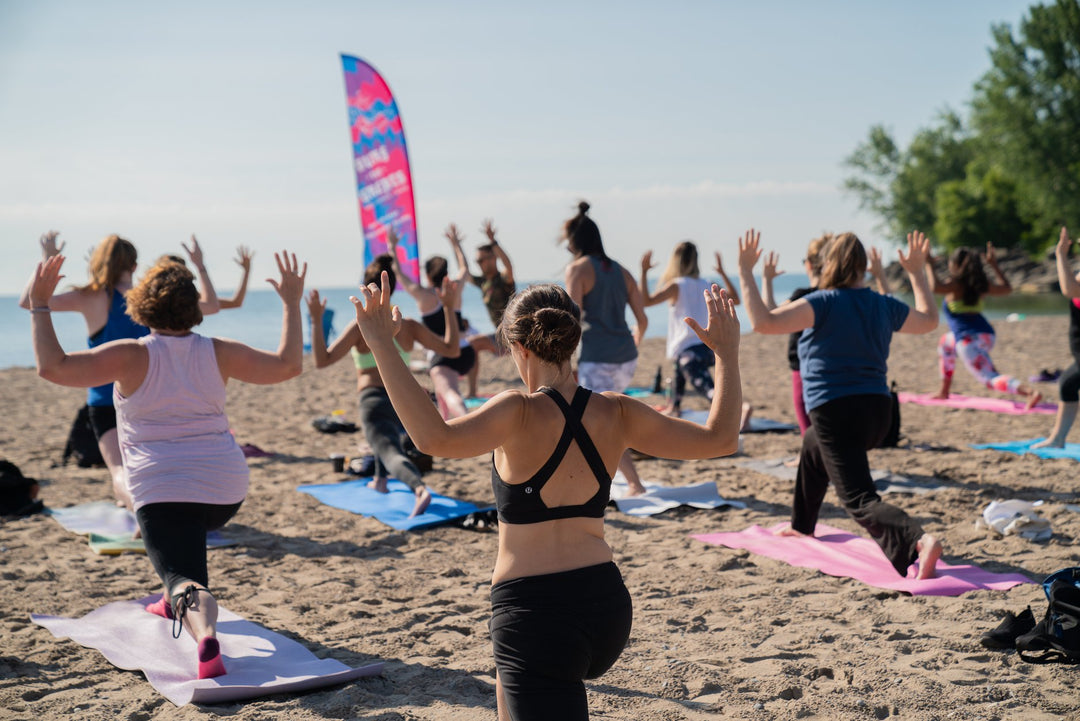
x=744 y=419
x=635 y=489
x=423 y=500
x=1049 y=443
x=929 y=552
x=941 y=396
x=671 y=412
x=378 y=484
x=1033 y=400
x=789 y=531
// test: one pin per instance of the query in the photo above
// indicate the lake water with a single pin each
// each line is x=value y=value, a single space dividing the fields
x=258 y=322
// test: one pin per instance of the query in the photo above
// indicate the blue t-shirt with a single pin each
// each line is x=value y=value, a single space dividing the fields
x=845 y=352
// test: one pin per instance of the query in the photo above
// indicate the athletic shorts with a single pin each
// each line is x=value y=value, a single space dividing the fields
x=102 y=419
x=462 y=364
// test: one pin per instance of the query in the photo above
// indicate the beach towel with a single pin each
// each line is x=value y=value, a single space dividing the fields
x=658 y=498
x=839 y=553
x=884 y=481
x=997 y=405
x=258 y=661
x=391 y=508
x=110 y=528
x=1020 y=448
x=756 y=425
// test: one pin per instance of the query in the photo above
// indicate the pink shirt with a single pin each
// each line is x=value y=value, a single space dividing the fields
x=174 y=436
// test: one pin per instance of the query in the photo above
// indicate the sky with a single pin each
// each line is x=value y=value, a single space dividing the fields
x=683 y=120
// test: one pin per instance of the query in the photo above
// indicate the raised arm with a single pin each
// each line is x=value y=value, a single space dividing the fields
x=1069 y=283
x=243 y=259
x=251 y=365
x=72 y=300
x=322 y=355
x=1002 y=286
x=122 y=360
x=728 y=285
x=787 y=318
x=923 y=318
x=500 y=255
x=411 y=287
x=449 y=343
x=637 y=307
x=208 y=300
x=877 y=270
x=653 y=433
x=768 y=272
x=459 y=255
x=473 y=434
x=669 y=292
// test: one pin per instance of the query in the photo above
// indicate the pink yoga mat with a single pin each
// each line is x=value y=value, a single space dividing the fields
x=258 y=661
x=839 y=553
x=997 y=405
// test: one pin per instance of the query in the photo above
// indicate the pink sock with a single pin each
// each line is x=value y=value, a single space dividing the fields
x=210 y=663
x=161 y=607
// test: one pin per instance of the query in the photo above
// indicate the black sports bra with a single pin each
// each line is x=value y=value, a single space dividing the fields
x=520 y=503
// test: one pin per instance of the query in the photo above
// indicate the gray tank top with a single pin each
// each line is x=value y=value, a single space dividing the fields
x=605 y=337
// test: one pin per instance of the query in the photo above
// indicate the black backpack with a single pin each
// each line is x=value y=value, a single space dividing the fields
x=1056 y=638
x=82 y=445
x=17 y=493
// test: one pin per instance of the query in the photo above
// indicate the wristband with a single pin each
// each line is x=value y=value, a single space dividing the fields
x=41 y=309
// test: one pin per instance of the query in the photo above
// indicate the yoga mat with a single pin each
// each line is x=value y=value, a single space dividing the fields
x=884 y=481
x=839 y=553
x=1020 y=448
x=658 y=498
x=997 y=405
x=757 y=425
x=391 y=508
x=110 y=528
x=258 y=661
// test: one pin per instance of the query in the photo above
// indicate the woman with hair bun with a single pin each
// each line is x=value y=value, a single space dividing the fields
x=184 y=469
x=560 y=610
x=843 y=350
x=970 y=335
x=603 y=289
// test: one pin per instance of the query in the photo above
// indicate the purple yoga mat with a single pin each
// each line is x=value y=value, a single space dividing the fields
x=839 y=553
x=997 y=405
x=258 y=661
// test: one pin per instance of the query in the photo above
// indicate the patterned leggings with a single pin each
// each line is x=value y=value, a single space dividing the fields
x=974 y=350
x=694 y=364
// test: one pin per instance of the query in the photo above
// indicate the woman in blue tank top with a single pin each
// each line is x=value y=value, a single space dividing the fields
x=560 y=610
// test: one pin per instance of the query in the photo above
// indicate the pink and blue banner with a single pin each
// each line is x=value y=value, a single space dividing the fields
x=383 y=180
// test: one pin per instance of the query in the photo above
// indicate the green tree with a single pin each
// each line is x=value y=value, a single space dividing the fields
x=1026 y=113
x=983 y=207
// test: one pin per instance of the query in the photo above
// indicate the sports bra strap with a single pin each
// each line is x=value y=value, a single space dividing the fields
x=573 y=413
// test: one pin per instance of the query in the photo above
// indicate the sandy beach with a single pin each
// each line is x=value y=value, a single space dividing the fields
x=718 y=633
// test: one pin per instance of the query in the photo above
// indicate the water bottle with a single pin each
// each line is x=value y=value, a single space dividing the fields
x=658 y=382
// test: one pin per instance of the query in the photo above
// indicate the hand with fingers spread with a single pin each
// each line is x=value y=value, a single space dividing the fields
x=646 y=262
x=1064 y=243
x=243 y=257
x=488 y=228
x=719 y=267
x=749 y=250
x=452 y=235
x=391 y=241
x=291 y=285
x=721 y=333
x=918 y=251
x=449 y=292
x=315 y=304
x=768 y=270
x=377 y=317
x=45 y=280
x=48 y=244
x=991 y=255
x=874 y=265
x=194 y=252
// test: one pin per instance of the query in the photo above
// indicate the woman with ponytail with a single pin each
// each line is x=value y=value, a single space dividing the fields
x=560 y=610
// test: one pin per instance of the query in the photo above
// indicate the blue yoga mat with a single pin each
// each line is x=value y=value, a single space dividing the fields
x=391 y=508
x=1020 y=448
x=757 y=425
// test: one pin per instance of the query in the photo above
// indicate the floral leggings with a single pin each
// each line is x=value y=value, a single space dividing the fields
x=974 y=350
x=694 y=364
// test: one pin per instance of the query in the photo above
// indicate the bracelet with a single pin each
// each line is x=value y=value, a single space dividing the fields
x=41 y=309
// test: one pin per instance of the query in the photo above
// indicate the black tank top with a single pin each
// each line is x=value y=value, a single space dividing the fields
x=520 y=503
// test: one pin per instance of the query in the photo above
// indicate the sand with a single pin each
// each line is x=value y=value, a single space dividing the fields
x=717 y=633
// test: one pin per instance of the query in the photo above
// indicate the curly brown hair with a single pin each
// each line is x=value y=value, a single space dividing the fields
x=165 y=298
x=545 y=321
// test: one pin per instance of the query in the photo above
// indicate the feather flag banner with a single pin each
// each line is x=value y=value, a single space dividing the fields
x=381 y=162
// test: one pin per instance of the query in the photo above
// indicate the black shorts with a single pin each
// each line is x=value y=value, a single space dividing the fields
x=175 y=538
x=102 y=419
x=551 y=632
x=462 y=364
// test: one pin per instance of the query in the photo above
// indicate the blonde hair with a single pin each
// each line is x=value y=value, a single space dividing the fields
x=110 y=259
x=815 y=252
x=683 y=263
x=844 y=265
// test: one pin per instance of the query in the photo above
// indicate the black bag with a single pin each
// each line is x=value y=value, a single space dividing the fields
x=82 y=445
x=1056 y=638
x=423 y=461
x=892 y=438
x=18 y=494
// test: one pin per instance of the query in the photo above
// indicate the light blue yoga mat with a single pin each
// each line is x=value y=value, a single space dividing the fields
x=757 y=425
x=391 y=508
x=110 y=528
x=1020 y=448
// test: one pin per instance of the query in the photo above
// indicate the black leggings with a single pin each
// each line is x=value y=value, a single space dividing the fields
x=553 y=631
x=834 y=449
x=1069 y=383
x=694 y=364
x=175 y=538
x=382 y=428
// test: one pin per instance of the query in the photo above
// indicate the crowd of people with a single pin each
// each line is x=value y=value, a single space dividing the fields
x=156 y=390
